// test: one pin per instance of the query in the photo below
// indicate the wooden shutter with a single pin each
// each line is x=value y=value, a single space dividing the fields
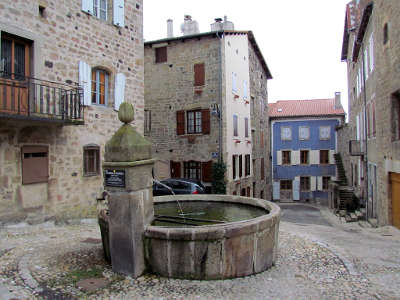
x=85 y=82
x=87 y=6
x=118 y=13
x=199 y=74
x=119 y=90
x=180 y=122
x=262 y=168
x=161 y=54
x=205 y=121
x=175 y=169
x=276 y=190
x=206 y=171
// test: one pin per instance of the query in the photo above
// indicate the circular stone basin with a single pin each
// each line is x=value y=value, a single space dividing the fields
x=246 y=243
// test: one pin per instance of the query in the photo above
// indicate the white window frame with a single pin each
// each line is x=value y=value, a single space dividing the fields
x=97 y=9
x=321 y=129
x=288 y=138
x=97 y=87
x=301 y=137
x=371 y=53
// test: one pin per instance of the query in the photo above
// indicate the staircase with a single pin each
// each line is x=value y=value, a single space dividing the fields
x=342 y=179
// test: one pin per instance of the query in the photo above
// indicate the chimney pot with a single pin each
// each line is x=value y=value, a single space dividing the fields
x=338 y=103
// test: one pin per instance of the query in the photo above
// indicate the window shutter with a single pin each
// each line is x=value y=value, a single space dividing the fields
x=331 y=156
x=296 y=189
x=245 y=89
x=205 y=121
x=319 y=183
x=180 y=122
x=262 y=168
x=276 y=190
x=199 y=74
x=119 y=90
x=175 y=169
x=85 y=81
x=279 y=158
x=234 y=84
x=118 y=13
x=314 y=157
x=313 y=183
x=87 y=6
x=296 y=157
x=206 y=170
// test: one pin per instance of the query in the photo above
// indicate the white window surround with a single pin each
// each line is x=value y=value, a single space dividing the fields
x=234 y=82
x=304 y=133
x=99 y=9
x=371 y=53
x=286 y=133
x=324 y=132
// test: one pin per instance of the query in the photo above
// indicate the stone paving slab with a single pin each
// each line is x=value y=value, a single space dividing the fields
x=46 y=262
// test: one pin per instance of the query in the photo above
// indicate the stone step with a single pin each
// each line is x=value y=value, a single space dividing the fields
x=353 y=217
x=342 y=213
x=359 y=214
x=373 y=222
x=348 y=219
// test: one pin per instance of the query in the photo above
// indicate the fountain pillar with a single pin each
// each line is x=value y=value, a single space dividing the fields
x=127 y=171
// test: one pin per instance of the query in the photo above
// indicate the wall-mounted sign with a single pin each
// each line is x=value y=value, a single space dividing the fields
x=115 y=178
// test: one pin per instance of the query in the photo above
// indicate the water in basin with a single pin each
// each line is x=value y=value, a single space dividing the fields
x=203 y=213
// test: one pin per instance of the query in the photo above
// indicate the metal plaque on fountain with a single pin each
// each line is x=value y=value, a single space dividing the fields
x=115 y=178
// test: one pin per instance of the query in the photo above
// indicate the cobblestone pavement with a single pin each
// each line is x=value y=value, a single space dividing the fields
x=315 y=262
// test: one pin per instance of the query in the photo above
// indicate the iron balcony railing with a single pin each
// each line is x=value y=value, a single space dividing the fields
x=356 y=148
x=31 y=98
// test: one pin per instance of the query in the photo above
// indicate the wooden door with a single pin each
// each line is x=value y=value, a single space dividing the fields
x=15 y=63
x=395 y=178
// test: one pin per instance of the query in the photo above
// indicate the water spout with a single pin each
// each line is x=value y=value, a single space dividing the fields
x=172 y=192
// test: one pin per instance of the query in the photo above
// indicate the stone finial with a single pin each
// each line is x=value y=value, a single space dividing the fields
x=126 y=113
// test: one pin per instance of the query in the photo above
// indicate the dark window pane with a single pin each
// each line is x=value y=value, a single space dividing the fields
x=19 y=61
x=6 y=57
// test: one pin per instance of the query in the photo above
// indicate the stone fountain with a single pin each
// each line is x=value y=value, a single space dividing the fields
x=216 y=236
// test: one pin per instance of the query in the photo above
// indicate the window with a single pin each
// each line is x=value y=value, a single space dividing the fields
x=371 y=53
x=194 y=121
x=197 y=121
x=175 y=169
x=199 y=74
x=235 y=125
x=147 y=121
x=234 y=166
x=161 y=54
x=100 y=9
x=304 y=157
x=262 y=194
x=245 y=90
x=304 y=133
x=234 y=82
x=286 y=158
x=15 y=60
x=324 y=132
x=373 y=120
x=91 y=160
x=247 y=165
x=385 y=33
x=35 y=164
x=262 y=139
x=304 y=183
x=286 y=133
x=240 y=166
x=324 y=156
x=248 y=191
x=246 y=127
x=192 y=169
x=99 y=87
x=286 y=185
x=325 y=182
x=396 y=116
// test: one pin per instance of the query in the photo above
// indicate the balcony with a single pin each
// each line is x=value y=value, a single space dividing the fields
x=355 y=148
x=32 y=99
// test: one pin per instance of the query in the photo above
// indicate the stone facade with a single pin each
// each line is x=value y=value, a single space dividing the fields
x=60 y=37
x=371 y=49
x=170 y=89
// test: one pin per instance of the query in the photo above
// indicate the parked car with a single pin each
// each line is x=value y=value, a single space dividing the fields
x=178 y=186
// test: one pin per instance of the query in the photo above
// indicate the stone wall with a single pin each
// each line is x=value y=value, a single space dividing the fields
x=260 y=126
x=383 y=151
x=61 y=37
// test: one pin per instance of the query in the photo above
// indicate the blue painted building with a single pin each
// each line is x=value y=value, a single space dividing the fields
x=303 y=144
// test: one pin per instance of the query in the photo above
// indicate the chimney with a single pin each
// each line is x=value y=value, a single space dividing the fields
x=338 y=104
x=189 y=26
x=170 y=28
x=228 y=25
x=217 y=25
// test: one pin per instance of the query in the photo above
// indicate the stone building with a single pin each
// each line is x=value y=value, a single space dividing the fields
x=303 y=144
x=371 y=48
x=65 y=68
x=206 y=100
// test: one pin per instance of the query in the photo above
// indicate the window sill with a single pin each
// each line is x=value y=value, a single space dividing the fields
x=91 y=175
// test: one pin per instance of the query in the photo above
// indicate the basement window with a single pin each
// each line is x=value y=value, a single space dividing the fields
x=35 y=164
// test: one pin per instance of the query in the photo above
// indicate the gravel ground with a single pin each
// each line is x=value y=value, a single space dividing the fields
x=46 y=262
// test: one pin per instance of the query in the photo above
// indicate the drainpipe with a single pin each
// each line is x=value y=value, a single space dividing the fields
x=366 y=175
x=220 y=97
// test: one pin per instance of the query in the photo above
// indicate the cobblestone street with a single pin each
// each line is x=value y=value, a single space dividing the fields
x=340 y=261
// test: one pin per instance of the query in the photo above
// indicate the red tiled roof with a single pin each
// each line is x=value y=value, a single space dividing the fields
x=302 y=108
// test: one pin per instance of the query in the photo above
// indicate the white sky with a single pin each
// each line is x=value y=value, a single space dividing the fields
x=301 y=41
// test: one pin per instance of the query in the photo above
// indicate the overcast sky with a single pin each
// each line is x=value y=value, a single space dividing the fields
x=301 y=41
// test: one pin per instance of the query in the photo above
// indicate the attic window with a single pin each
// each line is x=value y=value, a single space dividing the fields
x=279 y=109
